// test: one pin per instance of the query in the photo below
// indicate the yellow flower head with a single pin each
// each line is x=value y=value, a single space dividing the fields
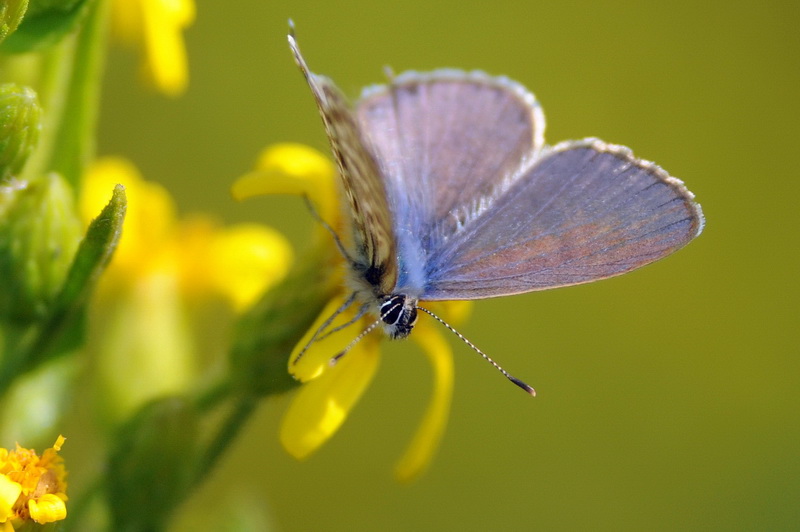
x=330 y=392
x=156 y=28
x=238 y=262
x=162 y=267
x=32 y=488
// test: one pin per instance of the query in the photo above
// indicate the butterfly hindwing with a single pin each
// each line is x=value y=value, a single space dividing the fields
x=444 y=141
x=374 y=244
x=583 y=211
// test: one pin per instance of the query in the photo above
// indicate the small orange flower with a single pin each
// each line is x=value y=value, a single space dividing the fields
x=32 y=488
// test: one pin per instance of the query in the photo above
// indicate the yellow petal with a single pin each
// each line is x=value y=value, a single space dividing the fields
x=426 y=440
x=453 y=312
x=126 y=21
x=238 y=262
x=9 y=492
x=192 y=251
x=150 y=216
x=316 y=359
x=247 y=259
x=181 y=12
x=146 y=344
x=59 y=442
x=47 y=508
x=293 y=169
x=321 y=406
x=165 y=64
x=156 y=28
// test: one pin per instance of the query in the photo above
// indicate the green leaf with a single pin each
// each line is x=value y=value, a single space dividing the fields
x=57 y=330
x=38 y=7
x=45 y=25
x=11 y=13
x=93 y=254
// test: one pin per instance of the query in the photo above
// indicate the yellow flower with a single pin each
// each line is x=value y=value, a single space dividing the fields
x=330 y=392
x=295 y=169
x=155 y=27
x=161 y=269
x=32 y=488
x=238 y=262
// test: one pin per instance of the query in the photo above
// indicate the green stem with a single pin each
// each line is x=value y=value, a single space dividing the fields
x=227 y=433
x=75 y=137
x=49 y=73
x=265 y=336
x=67 y=78
x=212 y=396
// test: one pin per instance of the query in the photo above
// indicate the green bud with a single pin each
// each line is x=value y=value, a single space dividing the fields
x=39 y=233
x=20 y=123
x=11 y=13
x=268 y=332
x=152 y=464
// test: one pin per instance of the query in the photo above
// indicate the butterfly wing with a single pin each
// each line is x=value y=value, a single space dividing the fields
x=582 y=211
x=444 y=141
x=371 y=219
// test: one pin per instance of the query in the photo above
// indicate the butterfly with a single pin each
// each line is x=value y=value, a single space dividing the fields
x=452 y=194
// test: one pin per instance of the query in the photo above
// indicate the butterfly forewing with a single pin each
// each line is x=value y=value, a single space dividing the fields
x=374 y=245
x=454 y=196
x=444 y=141
x=583 y=211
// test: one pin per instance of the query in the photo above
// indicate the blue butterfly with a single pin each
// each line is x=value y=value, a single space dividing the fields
x=453 y=195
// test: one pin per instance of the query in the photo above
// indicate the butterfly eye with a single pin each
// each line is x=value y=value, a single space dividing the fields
x=392 y=309
x=399 y=313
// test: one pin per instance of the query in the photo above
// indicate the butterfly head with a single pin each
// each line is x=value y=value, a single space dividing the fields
x=398 y=313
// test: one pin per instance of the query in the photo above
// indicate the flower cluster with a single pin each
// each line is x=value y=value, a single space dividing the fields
x=163 y=267
x=32 y=487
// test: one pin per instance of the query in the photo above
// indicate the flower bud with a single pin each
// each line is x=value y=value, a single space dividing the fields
x=20 y=124
x=152 y=464
x=39 y=233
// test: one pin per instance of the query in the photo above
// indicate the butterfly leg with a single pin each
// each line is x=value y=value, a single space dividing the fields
x=324 y=326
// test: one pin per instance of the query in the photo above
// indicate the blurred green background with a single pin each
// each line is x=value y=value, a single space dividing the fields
x=668 y=398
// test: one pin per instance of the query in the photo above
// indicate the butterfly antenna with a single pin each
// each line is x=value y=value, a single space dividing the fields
x=357 y=339
x=486 y=357
x=327 y=226
x=324 y=326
